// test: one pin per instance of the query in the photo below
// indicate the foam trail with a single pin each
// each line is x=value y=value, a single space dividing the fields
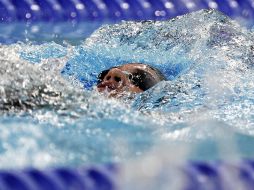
x=206 y=103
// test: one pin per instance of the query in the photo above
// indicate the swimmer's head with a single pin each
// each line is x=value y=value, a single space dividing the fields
x=128 y=78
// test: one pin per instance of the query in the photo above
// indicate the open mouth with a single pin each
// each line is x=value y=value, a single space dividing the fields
x=106 y=87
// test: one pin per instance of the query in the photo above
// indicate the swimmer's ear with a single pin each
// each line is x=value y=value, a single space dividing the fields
x=102 y=75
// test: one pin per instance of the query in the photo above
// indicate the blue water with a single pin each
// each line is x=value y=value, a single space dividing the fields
x=51 y=113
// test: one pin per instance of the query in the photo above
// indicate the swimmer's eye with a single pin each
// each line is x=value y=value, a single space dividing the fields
x=117 y=79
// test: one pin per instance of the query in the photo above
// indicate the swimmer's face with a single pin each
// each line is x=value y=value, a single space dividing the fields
x=128 y=78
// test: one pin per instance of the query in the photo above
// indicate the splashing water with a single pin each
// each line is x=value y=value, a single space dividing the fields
x=52 y=115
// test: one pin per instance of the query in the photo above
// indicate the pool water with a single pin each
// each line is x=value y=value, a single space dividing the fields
x=52 y=115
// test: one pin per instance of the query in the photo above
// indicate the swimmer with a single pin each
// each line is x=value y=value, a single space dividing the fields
x=128 y=78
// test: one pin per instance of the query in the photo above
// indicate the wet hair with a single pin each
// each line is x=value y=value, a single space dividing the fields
x=140 y=78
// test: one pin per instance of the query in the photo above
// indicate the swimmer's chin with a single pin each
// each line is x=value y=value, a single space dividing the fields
x=117 y=94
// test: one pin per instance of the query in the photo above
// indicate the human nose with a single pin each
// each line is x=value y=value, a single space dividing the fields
x=115 y=79
x=115 y=76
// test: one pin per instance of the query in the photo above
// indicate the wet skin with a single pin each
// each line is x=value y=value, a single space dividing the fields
x=128 y=78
